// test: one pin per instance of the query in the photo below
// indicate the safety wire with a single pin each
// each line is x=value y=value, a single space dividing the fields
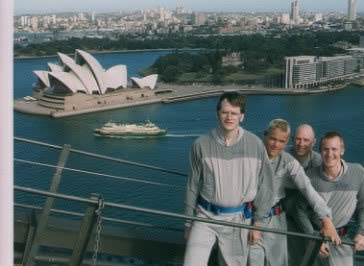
x=98 y=230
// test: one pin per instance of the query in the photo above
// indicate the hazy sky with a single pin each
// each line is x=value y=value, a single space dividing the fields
x=52 y=6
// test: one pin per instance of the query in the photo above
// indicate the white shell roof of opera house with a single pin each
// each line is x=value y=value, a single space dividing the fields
x=85 y=74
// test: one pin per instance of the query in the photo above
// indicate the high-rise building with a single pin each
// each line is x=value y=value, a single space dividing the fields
x=318 y=16
x=199 y=18
x=24 y=20
x=352 y=10
x=81 y=16
x=285 y=18
x=162 y=14
x=295 y=16
x=34 y=23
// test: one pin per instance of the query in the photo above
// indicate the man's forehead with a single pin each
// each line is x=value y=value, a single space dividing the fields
x=331 y=142
x=305 y=132
x=225 y=104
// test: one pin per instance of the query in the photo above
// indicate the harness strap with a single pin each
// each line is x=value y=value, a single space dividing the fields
x=342 y=231
x=246 y=207
x=275 y=210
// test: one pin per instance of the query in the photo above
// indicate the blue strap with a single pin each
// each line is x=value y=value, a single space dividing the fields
x=218 y=209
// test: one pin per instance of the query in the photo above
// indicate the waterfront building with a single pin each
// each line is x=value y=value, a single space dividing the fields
x=310 y=71
x=82 y=83
x=301 y=72
x=358 y=56
x=336 y=67
x=352 y=10
x=149 y=82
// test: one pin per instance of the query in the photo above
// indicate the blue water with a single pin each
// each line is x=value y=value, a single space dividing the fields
x=342 y=111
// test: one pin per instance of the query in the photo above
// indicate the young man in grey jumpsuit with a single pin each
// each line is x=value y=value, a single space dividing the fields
x=302 y=150
x=341 y=184
x=229 y=168
x=272 y=248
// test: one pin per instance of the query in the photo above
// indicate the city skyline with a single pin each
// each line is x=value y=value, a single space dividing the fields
x=55 y=6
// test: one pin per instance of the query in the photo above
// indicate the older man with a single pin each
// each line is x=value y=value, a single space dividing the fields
x=303 y=142
x=288 y=173
x=341 y=184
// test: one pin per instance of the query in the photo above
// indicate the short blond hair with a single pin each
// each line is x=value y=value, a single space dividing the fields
x=280 y=124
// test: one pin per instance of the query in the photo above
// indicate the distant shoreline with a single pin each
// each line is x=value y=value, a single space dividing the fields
x=106 y=52
x=167 y=94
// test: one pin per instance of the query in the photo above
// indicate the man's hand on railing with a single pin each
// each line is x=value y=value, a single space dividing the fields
x=254 y=235
x=328 y=230
x=358 y=243
x=324 y=250
x=187 y=233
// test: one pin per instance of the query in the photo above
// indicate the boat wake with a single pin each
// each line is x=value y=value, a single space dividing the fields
x=183 y=135
x=128 y=137
x=149 y=137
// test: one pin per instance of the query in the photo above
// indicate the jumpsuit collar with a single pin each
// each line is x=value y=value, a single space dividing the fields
x=220 y=136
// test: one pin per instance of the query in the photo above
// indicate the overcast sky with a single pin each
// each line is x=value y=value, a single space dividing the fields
x=53 y=6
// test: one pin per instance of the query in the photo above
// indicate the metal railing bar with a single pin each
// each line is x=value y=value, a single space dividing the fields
x=142 y=224
x=95 y=173
x=103 y=157
x=173 y=215
x=129 y=162
x=39 y=143
x=65 y=261
x=55 y=195
x=108 y=219
x=33 y=207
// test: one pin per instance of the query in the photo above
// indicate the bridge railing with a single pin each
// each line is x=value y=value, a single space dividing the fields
x=90 y=229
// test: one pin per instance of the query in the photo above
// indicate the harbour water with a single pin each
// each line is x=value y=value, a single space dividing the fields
x=185 y=121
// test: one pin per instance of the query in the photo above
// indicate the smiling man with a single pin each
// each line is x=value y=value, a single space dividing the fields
x=341 y=184
x=302 y=150
x=288 y=173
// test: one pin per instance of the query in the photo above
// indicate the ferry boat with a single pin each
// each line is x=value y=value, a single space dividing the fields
x=140 y=130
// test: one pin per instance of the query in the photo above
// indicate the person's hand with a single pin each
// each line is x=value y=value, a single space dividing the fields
x=324 y=250
x=328 y=230
x=358 y=243
x=254 y=235
x=187 y=233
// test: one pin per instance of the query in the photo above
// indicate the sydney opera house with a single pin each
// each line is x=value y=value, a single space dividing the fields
x=82 y=84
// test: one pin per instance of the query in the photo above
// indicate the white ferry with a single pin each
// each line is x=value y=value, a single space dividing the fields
x=140 y=130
